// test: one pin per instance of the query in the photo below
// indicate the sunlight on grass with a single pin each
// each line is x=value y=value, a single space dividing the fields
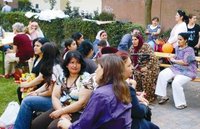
x=8 y=91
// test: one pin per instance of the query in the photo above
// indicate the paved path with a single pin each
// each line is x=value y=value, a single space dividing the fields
x=168 y=117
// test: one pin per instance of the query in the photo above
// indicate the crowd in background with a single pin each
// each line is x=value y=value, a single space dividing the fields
x=92 y=85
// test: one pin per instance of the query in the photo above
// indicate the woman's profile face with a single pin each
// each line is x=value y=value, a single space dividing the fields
x=99 y=73
x=128 y=68
x=73 y=46
x=178 y=17
x=181 y=41
x=135 y=41
x=74 y=66
x=80 y=40
x=37 y=48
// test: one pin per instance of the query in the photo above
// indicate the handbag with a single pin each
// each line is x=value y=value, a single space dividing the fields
x=9 y=116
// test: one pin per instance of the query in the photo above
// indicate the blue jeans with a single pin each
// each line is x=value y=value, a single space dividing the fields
x=30 y=104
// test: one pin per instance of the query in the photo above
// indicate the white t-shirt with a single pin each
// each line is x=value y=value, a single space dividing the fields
x=6 y=8
x=178 y=28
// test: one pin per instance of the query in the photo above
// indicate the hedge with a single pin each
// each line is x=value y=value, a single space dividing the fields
x=59 y=29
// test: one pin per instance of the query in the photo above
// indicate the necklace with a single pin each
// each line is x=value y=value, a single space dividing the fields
x=71 y=82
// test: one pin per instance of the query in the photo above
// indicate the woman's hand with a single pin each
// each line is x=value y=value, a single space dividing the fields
x=56 y=114
x=173 y=60
x=67 y=116
x=33 y=93
x=142 y=99
x=131 y=82
x=23 y=84
x=64 y=123
x=197 y=46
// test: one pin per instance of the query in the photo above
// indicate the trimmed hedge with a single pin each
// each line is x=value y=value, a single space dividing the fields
x=59 y=29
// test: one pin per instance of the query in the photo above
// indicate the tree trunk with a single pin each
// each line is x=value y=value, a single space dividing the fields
x=148 y=5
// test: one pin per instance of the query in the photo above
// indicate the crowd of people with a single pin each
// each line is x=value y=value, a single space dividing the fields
x=92 y=85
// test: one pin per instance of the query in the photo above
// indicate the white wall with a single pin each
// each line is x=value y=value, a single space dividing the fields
x=88 y=6
x=44 y=4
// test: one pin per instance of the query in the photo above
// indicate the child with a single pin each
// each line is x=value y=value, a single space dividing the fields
x=101 y=44
x=70 y=45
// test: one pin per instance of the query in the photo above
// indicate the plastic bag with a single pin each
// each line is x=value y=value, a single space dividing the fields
x=9 y=116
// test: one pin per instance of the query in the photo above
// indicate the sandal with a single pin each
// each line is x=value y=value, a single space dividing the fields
x=181 y=107
x=163 y=100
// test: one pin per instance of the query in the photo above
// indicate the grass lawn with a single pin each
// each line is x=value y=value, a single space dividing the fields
x=7 y=90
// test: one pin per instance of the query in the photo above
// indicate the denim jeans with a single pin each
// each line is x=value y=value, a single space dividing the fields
x=30 y=104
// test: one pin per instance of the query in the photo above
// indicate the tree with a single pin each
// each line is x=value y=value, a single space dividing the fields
x=52 y=3
x=148 y=5
x=24 y=5
x=68 y=9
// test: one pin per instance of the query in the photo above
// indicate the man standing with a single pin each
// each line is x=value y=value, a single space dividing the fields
x=194 y=33
x=126 y=41
x=6 y=8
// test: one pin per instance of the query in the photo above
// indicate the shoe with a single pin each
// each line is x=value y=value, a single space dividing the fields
x=181 y=107
x=163 y=100
x=7 y=76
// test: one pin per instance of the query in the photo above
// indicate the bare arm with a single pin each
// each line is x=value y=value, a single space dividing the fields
x=43 y=91
x=84 y=96
x=56 y=94
x=14 y=50
x=34 y=82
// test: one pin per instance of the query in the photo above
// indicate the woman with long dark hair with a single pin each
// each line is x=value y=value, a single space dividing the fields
x=181 y=19
x=38 y=80
x=40 y=99
x=69 y=94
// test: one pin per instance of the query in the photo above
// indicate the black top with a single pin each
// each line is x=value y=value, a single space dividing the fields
x=36 y=69
x=193 y=35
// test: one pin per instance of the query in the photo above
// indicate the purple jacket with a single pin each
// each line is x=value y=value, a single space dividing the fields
x=104 y=111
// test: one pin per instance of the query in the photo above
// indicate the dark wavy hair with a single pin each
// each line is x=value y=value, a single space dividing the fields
x=51 y=56
x=76 y=55
x=110 y=63
x=41 y=40
x=185 y=35
x=183 y=14
x=76 y=36
x=85 y=48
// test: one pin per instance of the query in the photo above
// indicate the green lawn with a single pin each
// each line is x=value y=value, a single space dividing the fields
x=7 y=90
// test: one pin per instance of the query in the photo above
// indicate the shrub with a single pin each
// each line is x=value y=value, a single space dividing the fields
x=105 y=16
x=59 y=29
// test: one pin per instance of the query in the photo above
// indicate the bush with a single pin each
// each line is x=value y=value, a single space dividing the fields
x=105 y=16
x=59 y=29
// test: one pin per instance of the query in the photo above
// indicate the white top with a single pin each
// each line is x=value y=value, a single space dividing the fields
x=6 y=8
x=178 y=28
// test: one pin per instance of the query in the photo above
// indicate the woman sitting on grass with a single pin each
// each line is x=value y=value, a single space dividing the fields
x=38 y=81
x=40 y=99
x=69 y=95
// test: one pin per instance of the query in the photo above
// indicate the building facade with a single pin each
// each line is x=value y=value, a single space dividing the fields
x=133 y=10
